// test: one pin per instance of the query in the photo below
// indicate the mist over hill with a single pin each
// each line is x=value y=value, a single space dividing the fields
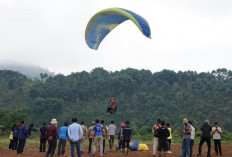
x=30 y=71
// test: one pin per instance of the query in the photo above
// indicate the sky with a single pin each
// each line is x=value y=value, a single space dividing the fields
x=186 y=35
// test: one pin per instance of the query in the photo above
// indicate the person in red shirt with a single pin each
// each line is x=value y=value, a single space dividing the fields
x=52 y=133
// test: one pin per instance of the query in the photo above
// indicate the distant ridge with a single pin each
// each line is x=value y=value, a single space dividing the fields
x=30 y=71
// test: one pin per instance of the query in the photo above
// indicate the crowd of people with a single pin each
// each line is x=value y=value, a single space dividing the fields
x=162 y=138
x=97 y=134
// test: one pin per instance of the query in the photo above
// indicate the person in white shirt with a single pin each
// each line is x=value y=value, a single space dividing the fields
x=216 y=132
x=111 y=131
x=75 y=133
x=193 y=134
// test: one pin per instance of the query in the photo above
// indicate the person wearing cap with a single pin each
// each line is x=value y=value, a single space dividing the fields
x=90 y=136
x=82 y=142
x=154 y=132
x=52 y=132
x=63 y=137
x=111 y=131
x=186 y=131
x=193 y=134
x=206 y=131
x=98 y=133
x=75 y=133
x=216 y=132
x=127 y=132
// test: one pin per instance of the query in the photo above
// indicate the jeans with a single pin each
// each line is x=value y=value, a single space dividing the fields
x=191 y=148
x=21 y=145
x=77 y=144
x=82 y=144
x=217 y=145
x=203 y=139
x=186 y=147
x=61 y=147
x=111 y=142
x=42 y=144
x=52 y=147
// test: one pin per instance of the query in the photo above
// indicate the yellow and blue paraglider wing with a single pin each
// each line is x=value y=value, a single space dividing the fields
x=106 y=20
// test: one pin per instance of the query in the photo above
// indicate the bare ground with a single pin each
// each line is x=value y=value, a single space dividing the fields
x=176 y=149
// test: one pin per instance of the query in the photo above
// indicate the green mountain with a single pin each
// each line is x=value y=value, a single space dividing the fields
x=142 y=96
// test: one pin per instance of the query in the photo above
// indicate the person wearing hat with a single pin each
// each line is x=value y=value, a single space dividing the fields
x=63 y=137
x=52 y=133
x=154 y=132
x=216 y=132
x=90 y=136
x=206 y=131
x=186 y=131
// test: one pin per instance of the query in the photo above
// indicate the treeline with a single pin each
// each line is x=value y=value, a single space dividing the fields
x=142 y=96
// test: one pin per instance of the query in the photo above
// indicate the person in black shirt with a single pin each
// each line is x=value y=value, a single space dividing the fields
x=163 y=133
x=206 y=131
x=126 y=133
x=43 y=137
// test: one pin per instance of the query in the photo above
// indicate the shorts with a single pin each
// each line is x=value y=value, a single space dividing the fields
x=163 y=145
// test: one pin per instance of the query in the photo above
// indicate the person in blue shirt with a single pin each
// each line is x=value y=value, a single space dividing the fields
x=22 y=135
x=63 y=137
x=98 y=133
x=75 y=133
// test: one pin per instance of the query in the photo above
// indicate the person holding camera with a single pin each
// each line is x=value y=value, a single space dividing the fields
x=186 y=138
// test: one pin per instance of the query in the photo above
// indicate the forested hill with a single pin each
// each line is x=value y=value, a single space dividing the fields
x=142 y=96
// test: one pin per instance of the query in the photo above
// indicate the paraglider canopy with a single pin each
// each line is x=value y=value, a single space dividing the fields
x=106 y=20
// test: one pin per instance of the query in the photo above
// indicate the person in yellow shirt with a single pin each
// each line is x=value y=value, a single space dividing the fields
x=169 y=138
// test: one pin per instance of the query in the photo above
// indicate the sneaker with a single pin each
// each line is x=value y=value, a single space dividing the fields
x=169 y=152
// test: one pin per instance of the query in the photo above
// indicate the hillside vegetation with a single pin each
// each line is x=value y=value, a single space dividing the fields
x=142 y=97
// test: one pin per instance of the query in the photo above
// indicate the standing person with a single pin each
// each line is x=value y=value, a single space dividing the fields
x=11 y=140
x=163 y=133
x=186 y=138
x=90 y=136
x=43 y=137
x=154 y=132
x=216 y=132
x=111 y=131
x=193 y=134
x=63 y=136
x=120 y=139
x=15 y=137
x=29 y=136
x=127 y=132
x=206 y=131
x=22 y=133
x=75 y=133
x=98 y=132
x=106 y=133
x=169 y=138
x=84 y=129
x=52 y=132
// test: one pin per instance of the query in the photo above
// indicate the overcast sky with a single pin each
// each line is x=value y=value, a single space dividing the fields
x=186 y=35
